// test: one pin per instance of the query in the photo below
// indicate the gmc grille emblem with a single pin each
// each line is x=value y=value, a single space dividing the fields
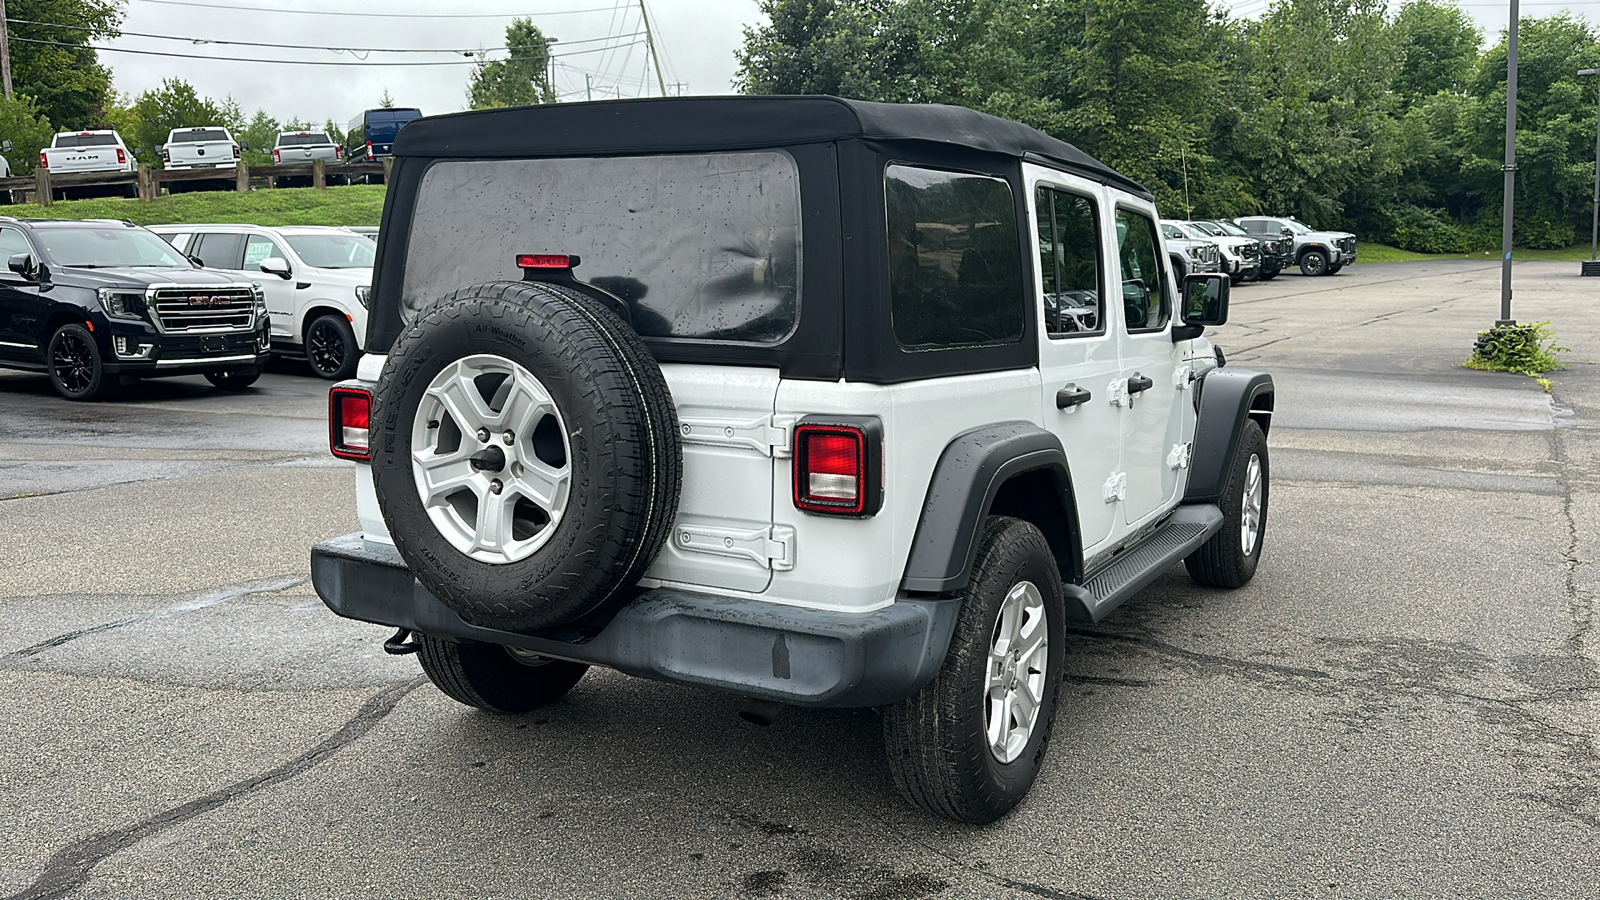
x=201 y=300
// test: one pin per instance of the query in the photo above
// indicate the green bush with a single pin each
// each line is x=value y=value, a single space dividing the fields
x=1540 y=234
x=1431 y=231
x=1521 y=349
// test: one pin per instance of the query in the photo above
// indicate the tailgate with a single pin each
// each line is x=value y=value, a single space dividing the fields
x=724 y=536
x=211 y=153
x=86 y=159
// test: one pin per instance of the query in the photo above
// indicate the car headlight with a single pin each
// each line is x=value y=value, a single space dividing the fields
x=363 y=295
x=261 y=299
x=122 y=304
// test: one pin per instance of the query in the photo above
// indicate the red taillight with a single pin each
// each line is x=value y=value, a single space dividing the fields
x=350 y=423
x=122 y=157
x=166 y=156
x=235 y=151
x=546 y=261
x=44 y=161
x=369 y=151
x=833 y=470
x=276 y=157
x=338 y=153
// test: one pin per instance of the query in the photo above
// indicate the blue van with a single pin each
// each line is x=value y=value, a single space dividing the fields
x=376 y=129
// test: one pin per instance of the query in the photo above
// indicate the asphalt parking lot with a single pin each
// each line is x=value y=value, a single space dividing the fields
x=1404 y=702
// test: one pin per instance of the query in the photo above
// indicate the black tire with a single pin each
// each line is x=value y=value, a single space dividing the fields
x=1235 y=278
x=234 y=379
x=1179 y=269
x=331 y=348
x=1313 y=262
x=625 y=462
x=1268 y=274
x=1334 y=270
x=491 y=677
x=76 y=369
x=936 y=740
x=1224 y=561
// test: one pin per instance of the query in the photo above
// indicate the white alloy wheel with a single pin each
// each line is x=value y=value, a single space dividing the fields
x=490 y=458
x=1250 y=512
x=1018 y=658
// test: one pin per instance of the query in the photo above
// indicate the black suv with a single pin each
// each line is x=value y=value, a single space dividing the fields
x=101 y=303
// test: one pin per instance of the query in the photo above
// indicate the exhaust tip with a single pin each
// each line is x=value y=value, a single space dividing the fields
x=760 y=712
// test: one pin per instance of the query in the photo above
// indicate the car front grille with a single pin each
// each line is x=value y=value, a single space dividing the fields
x=1249 y=251
x=1347 y=245
x=204 y=309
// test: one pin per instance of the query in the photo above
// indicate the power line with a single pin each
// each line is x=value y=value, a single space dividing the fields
x=305 y=62
x=195 y=40
x=364 y=15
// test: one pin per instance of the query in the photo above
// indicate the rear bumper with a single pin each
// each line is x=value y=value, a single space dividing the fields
x=801 y=657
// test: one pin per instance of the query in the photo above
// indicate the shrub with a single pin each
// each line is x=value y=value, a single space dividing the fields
x=1522 y=349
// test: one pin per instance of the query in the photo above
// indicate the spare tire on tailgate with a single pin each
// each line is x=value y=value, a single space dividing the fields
x=527 y=460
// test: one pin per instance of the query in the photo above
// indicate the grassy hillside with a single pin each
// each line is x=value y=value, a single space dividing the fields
x=359 y=204
x=1377 y=253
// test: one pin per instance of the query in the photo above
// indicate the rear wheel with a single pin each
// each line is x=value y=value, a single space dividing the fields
x=1229 y=558
x=969 y=745
x=76 y=369
x=331 y=347
x=496 y=678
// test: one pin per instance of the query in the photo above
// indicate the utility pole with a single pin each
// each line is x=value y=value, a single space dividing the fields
x=5 y=51
x=1510 y=168
x=1592 y=267
x=650 y=44
x=588 y=85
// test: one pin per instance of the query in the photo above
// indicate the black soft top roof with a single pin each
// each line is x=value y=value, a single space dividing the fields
x=687 y=124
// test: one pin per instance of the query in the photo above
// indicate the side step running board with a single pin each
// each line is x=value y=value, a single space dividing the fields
x=1186 y=529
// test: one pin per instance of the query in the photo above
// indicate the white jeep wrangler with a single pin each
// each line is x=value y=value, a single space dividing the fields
x=817 y=402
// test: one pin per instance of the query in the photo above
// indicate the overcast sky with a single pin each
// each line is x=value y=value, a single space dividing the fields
x=595 y=38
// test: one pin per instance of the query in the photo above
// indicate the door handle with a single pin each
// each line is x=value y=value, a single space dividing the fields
x=1138 y=384
x=1071 y=396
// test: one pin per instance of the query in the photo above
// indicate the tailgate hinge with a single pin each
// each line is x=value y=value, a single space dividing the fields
x=771 y=547
x=768 y=436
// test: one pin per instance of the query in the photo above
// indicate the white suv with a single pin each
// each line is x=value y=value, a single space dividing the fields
x=315 y=279
x=625 y=405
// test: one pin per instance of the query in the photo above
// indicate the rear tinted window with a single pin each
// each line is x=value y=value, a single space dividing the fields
x=86 y=140
x=955 y=262
x=303 y=140
x=198 y=137
x=700 y=246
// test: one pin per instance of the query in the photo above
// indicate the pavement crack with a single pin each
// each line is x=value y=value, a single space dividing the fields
x=68 y=869
x=210 y=598
x=1580 y=607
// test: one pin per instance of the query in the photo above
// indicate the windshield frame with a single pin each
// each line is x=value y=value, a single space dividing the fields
x=1230 y=229
x=1299 y=227
x=54 y=255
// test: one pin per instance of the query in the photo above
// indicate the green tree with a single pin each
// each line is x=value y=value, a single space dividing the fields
x=523 y=78
x=63 y=75
x=25 y=126
x=386 y=101
x=257 y=138
x=173 y=105
x=1438 y=49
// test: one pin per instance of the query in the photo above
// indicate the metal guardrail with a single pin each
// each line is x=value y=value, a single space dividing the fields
x=148 y=182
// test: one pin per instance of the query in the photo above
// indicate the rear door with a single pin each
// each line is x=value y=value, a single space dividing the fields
x=1154 y=379
x=20 y=306
x=1078 y=348
x=280 y=292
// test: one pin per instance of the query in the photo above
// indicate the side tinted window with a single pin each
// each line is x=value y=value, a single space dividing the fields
x=11 y=243
x=219 y=251
x=1145 y=301
x=1069 y=260
x=257 y=248
x=955 y=273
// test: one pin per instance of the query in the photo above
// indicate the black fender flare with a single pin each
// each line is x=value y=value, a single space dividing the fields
x=1224 y=400
x=966 y=481
x=1300 y=253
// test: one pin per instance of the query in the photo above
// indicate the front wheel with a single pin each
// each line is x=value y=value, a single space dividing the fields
x=1313 y=262
x=969 y=745
x=331 y=348
x=496 y=678
x=1334 y=270
x=76 y=370
x=234 y=379
x=1229 y=558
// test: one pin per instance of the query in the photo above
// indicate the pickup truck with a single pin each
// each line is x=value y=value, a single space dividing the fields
x=200 y=148
x=86 y=151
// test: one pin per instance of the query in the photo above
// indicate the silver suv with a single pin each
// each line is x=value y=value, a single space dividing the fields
x=1315 y=252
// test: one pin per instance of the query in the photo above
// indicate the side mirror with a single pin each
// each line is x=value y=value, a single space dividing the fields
x=5 y=146
x=1205 y=302
x=196 y=260
x=22 y=264
x=273 y=265
x=244 y=145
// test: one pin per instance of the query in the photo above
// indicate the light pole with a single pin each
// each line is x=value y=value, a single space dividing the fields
x=1510 y=170
x=1592 y=267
